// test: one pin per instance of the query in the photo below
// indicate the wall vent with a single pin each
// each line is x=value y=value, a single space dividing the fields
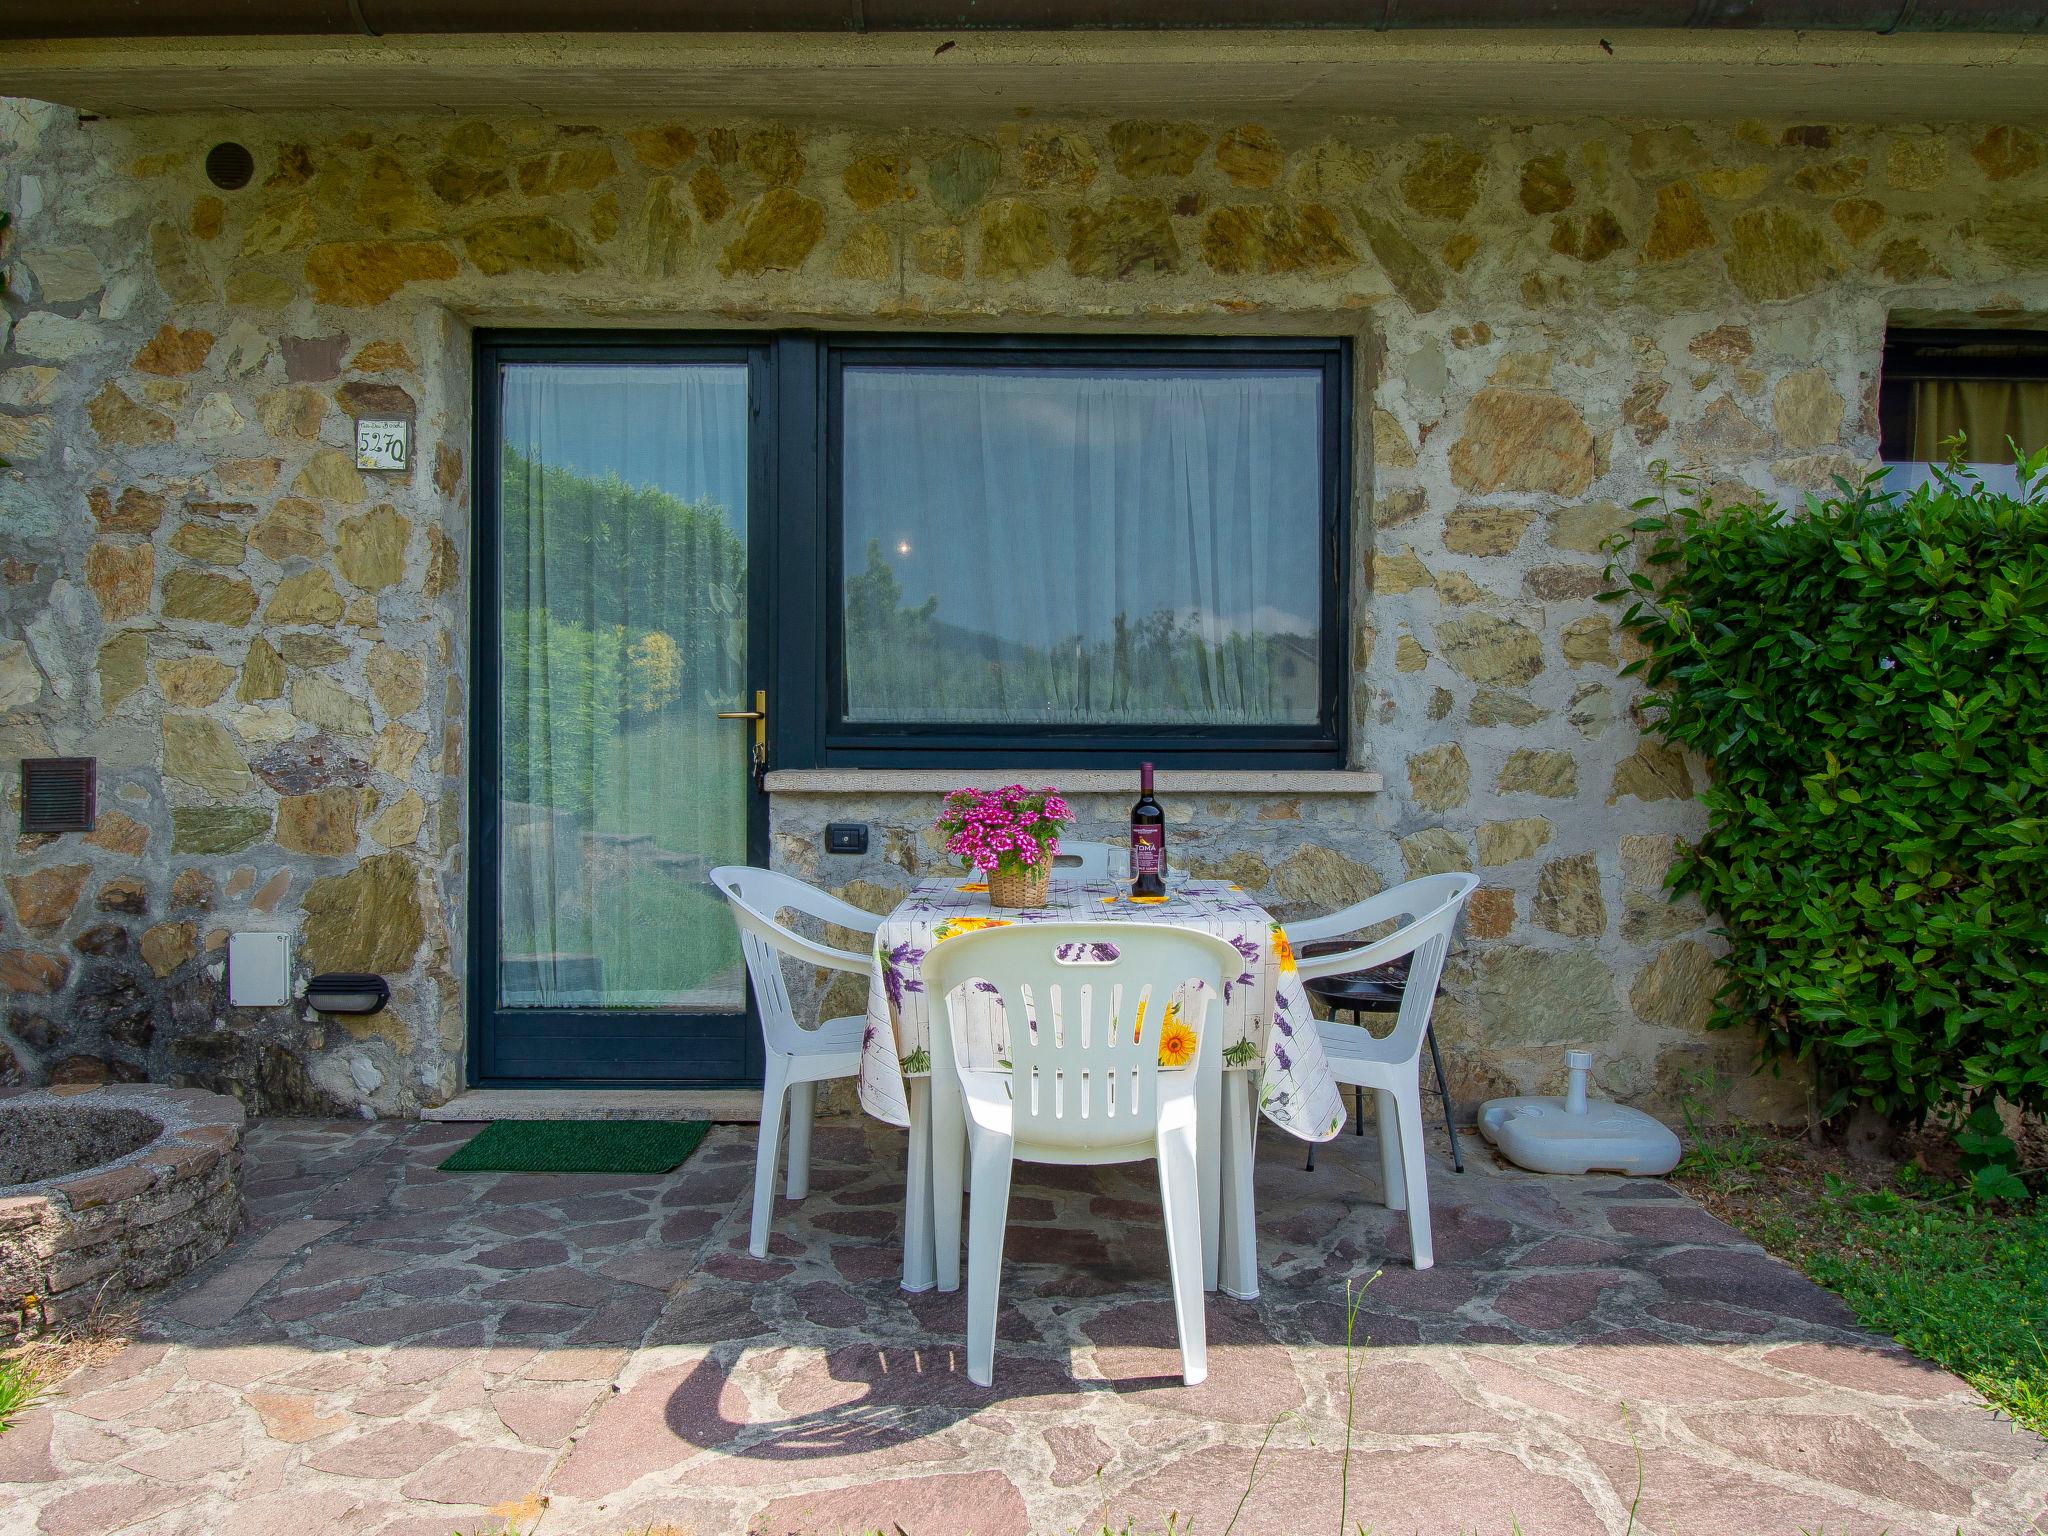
x=57 y=794
x=229 y=166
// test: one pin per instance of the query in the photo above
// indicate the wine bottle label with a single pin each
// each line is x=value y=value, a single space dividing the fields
x=1148 y=850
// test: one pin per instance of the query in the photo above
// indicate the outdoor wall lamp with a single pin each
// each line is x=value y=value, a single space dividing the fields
x=346 y=992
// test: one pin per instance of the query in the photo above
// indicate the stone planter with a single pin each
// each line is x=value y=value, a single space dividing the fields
x=110 y=1190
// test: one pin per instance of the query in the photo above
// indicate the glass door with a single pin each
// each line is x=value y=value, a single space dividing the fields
x=615 y=509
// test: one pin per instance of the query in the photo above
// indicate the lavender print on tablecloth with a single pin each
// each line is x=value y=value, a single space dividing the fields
x=899 y=972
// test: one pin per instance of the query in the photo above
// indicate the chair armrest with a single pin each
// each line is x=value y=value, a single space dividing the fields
x=1309 y=929
x=797 y=947
x=1360 y=915
x=845 y=914
x=787 y=941
x=844 y=960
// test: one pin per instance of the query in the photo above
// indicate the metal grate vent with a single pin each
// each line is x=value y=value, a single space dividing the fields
x=57 y=794
x=229 y=166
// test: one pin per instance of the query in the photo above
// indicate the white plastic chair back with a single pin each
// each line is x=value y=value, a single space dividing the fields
x=1083 y=862
x=1083 y=1026
x=1411 y=899
x=1432 y=905
x=758 y=897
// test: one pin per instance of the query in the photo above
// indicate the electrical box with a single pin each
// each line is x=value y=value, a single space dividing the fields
x=259 y=970
x=846 y=837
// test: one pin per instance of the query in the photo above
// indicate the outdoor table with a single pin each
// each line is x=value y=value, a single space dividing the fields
x=1266 y=1029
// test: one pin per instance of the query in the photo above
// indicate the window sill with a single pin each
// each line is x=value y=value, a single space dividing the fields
x=1075 y=781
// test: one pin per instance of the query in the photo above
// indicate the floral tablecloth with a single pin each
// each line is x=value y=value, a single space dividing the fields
x=1266 y=1020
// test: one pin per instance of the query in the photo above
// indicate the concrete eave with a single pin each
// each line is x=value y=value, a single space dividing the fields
x=1273 y=76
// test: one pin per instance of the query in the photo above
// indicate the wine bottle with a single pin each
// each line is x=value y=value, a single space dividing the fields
x=1148 y=840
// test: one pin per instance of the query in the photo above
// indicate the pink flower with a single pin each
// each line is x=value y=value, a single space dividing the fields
x=1007 y=828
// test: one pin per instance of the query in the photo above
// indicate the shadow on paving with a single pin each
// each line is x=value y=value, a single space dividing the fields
x=394 y=1349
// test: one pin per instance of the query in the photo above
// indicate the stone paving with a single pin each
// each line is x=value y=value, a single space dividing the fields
x=392 y=1349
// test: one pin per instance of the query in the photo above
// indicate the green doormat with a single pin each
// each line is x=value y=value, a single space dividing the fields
x=578 y=1146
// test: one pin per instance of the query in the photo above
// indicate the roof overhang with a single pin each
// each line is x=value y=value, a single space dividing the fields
x=1444 y=75
x=386 y=18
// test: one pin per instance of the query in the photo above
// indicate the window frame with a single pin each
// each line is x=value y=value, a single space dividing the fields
x=1916 y=353
x=811 y=661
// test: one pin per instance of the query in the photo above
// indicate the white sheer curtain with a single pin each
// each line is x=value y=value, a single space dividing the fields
x=1063 y=546
x=622 y=614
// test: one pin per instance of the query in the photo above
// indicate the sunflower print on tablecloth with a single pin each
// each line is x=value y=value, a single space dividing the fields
x=1177 y=1043
x=953 y=927
x=1282 y=950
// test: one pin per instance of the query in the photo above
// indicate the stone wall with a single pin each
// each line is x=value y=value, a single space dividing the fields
x=266 y=649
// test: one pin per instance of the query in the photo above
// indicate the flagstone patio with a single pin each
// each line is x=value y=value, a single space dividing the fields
x=389 y=1348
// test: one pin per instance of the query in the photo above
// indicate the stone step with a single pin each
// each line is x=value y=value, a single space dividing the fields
x=725 y=1105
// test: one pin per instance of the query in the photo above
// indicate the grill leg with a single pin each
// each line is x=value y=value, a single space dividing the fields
x=1357 y=1098
x=1443 y=1090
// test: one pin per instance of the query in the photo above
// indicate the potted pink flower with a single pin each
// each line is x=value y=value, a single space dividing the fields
x=1010 y=835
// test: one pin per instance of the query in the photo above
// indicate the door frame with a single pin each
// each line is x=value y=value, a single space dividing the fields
x=793 y=570
x=492 y=348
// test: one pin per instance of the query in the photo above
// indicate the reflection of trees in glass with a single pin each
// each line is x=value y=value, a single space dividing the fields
x=623 y=606
x=903 y=662
x=657 y=666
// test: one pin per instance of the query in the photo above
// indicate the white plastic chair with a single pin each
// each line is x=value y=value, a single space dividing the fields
x=1391 y=1066
x=798 y=1058
x=1083 y=1085
x=1085 y=863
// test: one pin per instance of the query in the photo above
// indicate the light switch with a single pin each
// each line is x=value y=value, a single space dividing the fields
x=259 y=970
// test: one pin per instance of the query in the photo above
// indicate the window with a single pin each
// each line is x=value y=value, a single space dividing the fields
x=621 y=570
x=1991 y=386
x=1076 y=548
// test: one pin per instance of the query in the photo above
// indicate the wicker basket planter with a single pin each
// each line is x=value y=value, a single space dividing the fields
x=1019 y=888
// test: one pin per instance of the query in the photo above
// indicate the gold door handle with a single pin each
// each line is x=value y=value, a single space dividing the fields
x=759 y=715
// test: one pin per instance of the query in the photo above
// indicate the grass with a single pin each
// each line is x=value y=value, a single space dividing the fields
x=1966 y=1288
x=45 y=1353
x=1959 y=1281
x=19 y=1388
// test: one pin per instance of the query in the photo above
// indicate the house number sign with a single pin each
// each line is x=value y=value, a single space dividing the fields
x=383 y=442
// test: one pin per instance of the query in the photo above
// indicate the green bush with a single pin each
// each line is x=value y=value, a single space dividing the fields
x=1867 y=679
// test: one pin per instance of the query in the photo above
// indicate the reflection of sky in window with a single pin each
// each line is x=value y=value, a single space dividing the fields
x=680 y=427
x=1036 y=499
